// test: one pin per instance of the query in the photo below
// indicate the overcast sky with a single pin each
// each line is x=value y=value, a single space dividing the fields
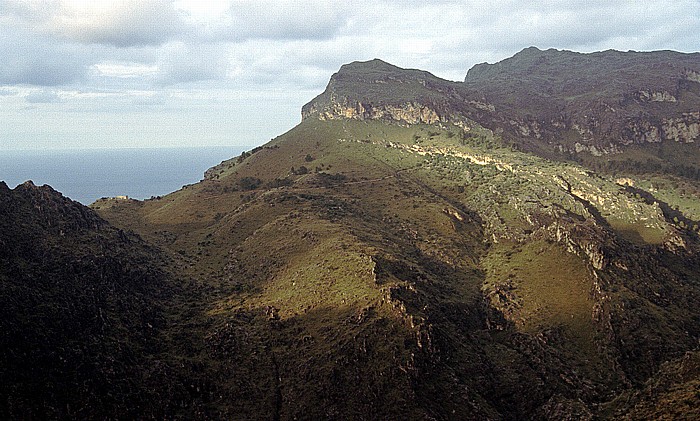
x=150 y=73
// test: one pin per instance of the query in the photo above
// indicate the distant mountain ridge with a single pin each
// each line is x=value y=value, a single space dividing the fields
x=558 y=104
x=615 y=97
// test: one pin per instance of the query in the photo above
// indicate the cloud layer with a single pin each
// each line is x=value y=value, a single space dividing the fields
x=126 y=50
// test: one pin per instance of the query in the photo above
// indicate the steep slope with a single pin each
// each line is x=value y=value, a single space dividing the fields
x=387 y=270
x=630 y=115
x=637 y=110
x=598 y=104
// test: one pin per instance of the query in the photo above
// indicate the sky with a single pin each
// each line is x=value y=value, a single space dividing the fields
x=171 y=73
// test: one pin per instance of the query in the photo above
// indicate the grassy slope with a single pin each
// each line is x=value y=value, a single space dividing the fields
x=368 y=284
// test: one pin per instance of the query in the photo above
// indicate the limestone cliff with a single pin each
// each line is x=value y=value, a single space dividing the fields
x=410 y=113
x=376 y=90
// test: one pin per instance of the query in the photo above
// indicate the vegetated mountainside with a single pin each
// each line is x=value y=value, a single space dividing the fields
x=400 y=254
x=372 y=270
x=391 y=257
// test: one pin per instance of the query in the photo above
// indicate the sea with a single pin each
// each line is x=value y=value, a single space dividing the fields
x=86 y=175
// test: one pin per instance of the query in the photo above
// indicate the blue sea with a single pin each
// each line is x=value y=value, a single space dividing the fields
x=89 y=174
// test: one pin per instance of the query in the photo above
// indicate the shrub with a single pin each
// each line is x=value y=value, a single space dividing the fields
x=249 y=183
x=300 y=171
x=279 y=182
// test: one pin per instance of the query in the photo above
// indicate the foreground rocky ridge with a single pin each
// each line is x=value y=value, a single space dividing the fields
x=395 y=258
x=79 y=304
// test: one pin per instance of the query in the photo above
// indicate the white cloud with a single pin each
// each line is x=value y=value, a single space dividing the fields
x=125 y=69
x=203 y=11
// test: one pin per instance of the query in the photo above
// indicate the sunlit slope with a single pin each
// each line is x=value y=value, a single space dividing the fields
x=394 y=270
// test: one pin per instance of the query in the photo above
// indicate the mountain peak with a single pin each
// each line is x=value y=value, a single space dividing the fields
x=376 y=69
x=51 y=209
x=529 y=50
x=375 y=63
x=376 y=89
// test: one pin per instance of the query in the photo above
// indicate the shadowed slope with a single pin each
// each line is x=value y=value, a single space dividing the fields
x=80 y=303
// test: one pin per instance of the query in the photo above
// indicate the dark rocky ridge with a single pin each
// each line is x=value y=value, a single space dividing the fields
x=79 y=310
x=607 y=99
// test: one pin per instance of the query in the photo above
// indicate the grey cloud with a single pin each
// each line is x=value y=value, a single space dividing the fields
x=122 y=23
x=286 y=65
x=26 y=10
x=32 y=60
x=43 y=97
x=182 y=63
x=291 y=45
x=284 y=19
x=127 y=24
x=581 y=25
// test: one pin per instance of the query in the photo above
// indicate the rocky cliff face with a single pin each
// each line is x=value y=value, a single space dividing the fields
x=376 y=90
x=550 y=102
x=409 y=113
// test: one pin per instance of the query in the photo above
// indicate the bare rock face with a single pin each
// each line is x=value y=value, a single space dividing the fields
x=655 y=96
x=409 y=113
x=692 y=75
x=683 y=129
